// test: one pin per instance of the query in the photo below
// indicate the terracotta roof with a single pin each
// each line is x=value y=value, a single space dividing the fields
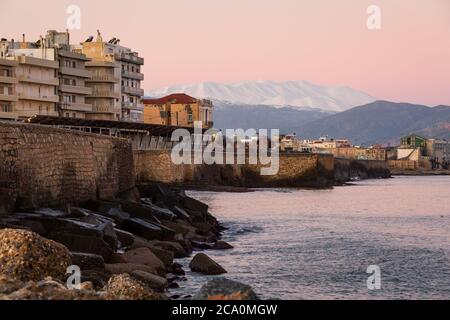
x=172 y=98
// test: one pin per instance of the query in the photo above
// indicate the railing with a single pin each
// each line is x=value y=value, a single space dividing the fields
x=129 y=57
x=103 y=78
x=132 y=75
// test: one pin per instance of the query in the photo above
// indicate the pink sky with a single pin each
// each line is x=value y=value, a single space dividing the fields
x=322 y=41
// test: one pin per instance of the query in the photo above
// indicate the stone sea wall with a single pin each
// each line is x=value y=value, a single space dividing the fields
x=44 y=166
x=296 y=170
x=347 y=169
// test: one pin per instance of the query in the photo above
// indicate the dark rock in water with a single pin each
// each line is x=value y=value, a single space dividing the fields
x=177 y=269
x=153 y=281
x=88 y=261
x=25 y=255
x=145 y=257
x=194 y=205
x=148 y=230
x=85 y=244
x=222 y=245
x=205 y=265
x=202 y=245
x=175 y=297
x=173 y=285
x=224 y=289
x=126 y=239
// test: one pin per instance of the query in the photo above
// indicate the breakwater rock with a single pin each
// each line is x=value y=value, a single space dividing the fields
x=125 y=249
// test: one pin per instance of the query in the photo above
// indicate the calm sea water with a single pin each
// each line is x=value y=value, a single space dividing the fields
x=317 y=244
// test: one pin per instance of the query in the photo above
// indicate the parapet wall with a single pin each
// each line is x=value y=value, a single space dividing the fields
x=296 y=170
x=45 y=166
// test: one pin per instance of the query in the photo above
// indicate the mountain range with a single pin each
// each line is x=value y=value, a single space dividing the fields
x=311 y=110
x=293 y=94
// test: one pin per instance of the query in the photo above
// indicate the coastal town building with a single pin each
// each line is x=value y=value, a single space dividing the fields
x=178 y=109
x=72 y=74
x=422 y=152
x=49 y=79
x=116 y=80
x=34 y=89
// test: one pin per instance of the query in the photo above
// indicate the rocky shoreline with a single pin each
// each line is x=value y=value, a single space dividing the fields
x=124 y=249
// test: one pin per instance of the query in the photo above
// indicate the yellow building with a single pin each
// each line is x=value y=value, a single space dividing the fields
x=178 y=109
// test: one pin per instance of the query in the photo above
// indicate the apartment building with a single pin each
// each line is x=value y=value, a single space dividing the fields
x=49 y=79
x=35 y=87
x=116 y=80
x=178 y=109
x=72 y=75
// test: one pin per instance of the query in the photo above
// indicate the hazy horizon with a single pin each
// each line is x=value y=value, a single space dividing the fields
x=322 y=42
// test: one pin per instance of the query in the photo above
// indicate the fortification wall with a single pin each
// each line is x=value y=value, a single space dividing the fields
x=295 y=170
x=44 y=166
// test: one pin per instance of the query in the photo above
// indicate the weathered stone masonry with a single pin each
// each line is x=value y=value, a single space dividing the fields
x=45 y=166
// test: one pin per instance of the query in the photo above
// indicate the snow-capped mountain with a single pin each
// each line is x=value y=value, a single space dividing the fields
x=297 y=94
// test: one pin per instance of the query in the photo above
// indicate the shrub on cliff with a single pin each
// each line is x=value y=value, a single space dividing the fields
x=24 y=255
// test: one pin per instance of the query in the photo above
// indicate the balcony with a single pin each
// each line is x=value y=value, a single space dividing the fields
x=132 y=106
x=75 y=89
x=103 y=78
x=133 y=91
x=7 y=97
x=26 y=96
x=76 y=72
x=128 y=57
x=103 y=64
x=72 y=106
x=132 y=75
x=105 y=109
x=38 y=62
x=104 y=94
x=30 y=79
x=7 y=79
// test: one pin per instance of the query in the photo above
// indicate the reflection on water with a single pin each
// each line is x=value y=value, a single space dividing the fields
x=310 y=244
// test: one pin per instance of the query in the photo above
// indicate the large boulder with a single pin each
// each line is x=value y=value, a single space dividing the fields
x=24 y=255
x=224 y=289
x=125 y=287
x=174 y=247
x=119 y=268
x=165 y=256
x=204 y=264
x=152 y=281
x=145 y=257
x=85 y=244
x=148 y=230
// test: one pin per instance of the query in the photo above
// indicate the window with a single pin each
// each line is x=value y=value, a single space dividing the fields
x=6 y=108
x=74 y=64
